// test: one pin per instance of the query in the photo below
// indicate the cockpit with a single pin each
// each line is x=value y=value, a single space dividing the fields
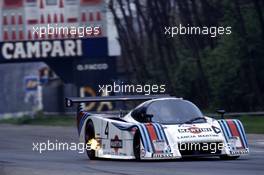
x=167 y=111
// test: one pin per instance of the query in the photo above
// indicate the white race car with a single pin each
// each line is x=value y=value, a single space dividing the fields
x=162 y=127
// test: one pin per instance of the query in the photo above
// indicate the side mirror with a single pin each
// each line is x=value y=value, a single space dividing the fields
x=149 y=117
x=221 y=112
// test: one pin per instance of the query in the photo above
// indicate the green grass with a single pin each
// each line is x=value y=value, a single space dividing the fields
x=252 y=124
x=41 y=120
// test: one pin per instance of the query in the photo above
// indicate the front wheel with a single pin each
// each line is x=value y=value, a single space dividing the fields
x=225 y=157
x=90 y=134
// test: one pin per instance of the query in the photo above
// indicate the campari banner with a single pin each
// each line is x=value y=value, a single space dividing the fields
x=46 y=50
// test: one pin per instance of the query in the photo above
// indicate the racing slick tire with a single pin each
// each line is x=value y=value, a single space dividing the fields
x=90 y=134
x=136 y=145
x=225 y=157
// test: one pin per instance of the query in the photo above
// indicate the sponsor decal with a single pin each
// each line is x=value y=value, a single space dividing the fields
x=31 y=90
x=186 y=137
x=116 y=143
x=199 y=136
x=106 y=152
x=235 y=142
x=216 y=129
x=142 y=153
x=91 y=67
x=122 y=154
x=41 y=49
x=208 y=135
x=31 y=83
x=239 y=152
x=159 y=145
x=194 y=130
x=156 y=155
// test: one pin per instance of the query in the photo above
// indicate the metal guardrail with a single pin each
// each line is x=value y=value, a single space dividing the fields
x=72 y=114
x=237 y=114
x=228 y=114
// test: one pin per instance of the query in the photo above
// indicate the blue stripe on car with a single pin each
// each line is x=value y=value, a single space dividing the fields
x=144 y=139
x=147 y=144
x=157 y=131
x=228 y=129
x=163 y=133
x=121 y=126
x=241 y=132
x=82 y=121
x=147 y=137
x=223 y=129
x=228 y=133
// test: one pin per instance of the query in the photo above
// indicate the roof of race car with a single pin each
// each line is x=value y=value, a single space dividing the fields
x=148 y=102
x=140 y=112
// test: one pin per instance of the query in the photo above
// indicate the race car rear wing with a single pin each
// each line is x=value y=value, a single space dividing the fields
x=69 y=101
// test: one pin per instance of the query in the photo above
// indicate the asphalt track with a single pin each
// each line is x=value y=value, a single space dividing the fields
x=17 y=157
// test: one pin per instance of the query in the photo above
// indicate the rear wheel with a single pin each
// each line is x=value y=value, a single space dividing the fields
x=225 y=157
x=90 y=134
x=136 y=145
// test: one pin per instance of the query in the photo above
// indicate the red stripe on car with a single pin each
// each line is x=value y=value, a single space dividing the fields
x=152 y=132
x=234 y=130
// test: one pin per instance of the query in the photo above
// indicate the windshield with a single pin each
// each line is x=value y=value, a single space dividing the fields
x=173 y=111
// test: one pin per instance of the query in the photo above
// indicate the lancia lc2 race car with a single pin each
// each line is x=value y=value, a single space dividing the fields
x=162 y=127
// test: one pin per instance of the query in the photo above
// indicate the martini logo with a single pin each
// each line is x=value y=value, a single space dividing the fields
x=216 y=129
x=116 y=143
x=41 y=49
x=194 y=130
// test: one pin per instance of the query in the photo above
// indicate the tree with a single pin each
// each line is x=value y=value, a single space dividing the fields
x=190 y=65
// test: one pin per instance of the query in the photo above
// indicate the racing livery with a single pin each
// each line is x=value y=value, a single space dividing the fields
x=162 y=127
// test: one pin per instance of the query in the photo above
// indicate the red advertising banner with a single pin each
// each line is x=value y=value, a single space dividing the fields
x=13 y=3
x=90 y=2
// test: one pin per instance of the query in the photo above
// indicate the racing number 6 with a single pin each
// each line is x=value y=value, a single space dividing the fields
x=107 y=129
